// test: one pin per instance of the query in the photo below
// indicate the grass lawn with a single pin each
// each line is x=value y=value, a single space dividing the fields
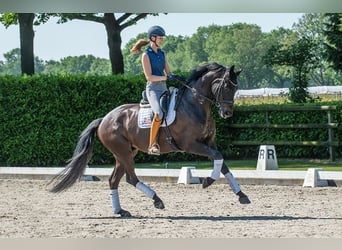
x=283 y=164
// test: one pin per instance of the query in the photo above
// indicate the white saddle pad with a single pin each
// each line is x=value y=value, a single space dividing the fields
x=146 y=114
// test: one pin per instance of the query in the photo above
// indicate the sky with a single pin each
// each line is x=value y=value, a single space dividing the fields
x=55 y=41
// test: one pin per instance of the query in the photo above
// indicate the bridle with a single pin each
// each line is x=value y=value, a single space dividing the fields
x=217 y=92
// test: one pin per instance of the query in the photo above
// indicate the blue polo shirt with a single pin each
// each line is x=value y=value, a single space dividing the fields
x=157 y=61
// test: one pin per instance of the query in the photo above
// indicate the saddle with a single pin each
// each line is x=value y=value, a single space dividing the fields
x=164 y=100
x=167 y=103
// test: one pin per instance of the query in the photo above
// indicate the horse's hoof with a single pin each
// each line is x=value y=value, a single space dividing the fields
x=207 y=182
x=244 y=200
x=124 y=214
x=159 y=204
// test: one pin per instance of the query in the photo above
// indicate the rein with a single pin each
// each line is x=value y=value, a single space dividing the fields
x=196 y=93
x=217 y=91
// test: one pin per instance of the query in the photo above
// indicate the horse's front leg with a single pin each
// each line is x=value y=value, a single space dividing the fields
x=220 y=166
x=215 y=174
x=243 y=199
x=210 y=151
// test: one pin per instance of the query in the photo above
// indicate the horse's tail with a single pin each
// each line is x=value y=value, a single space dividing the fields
x=77 y=164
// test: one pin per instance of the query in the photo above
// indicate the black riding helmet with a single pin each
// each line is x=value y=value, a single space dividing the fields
x=155 y=31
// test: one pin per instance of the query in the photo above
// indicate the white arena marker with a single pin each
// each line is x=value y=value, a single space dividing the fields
x=267 y=158
x=185 y=176
x=312 y=179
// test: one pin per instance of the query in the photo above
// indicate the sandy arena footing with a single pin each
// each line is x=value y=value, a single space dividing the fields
x=28 y=210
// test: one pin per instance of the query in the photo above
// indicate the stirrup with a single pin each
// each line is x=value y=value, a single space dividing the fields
x=154 y=149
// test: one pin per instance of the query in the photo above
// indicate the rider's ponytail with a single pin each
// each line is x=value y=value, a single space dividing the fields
x=138 y=45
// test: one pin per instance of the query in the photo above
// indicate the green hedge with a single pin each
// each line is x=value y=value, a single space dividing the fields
x=41 y=117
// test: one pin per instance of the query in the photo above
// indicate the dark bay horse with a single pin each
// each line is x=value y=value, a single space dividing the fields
x=193 y=131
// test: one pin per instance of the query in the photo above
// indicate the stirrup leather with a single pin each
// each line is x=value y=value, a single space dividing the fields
x=154 y=149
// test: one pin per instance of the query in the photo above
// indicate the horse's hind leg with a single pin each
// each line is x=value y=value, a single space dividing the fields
x=243 y=199
x=114 y=180
x=132 y=179
x=124 y=155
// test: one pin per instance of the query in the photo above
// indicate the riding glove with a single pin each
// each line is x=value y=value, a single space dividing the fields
x=173 y=77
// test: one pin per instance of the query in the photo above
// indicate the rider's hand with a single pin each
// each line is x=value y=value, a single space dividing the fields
x=173 y=77
x=181 y=78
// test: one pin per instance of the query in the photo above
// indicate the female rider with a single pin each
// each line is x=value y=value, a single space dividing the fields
x=157 y=71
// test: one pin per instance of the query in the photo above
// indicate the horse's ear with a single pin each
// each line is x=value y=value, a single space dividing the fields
x=238 y=72
x=231 y=70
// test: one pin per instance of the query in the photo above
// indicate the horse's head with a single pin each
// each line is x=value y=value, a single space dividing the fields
x=216 y=84
x=224 y=89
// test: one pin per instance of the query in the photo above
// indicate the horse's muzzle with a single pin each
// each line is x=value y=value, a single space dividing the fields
x=226 y=114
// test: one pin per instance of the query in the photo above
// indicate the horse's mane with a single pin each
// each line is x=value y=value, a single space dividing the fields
x=194 y=75
x=201 y=70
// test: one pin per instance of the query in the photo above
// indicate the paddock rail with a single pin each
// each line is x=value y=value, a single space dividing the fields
x=329 y=125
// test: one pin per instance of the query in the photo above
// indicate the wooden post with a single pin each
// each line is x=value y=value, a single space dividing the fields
x=330 y=138
x=267 y=126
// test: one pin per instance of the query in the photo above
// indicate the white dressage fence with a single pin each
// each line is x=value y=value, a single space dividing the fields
x=191 y=175
x=318 y=90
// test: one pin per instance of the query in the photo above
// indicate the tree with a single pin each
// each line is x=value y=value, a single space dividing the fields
x=243 y=45
x=333 y=43
x=26 y=22
x=26 y=42
x=12 y=63
x=11 y=66
x=78 y=65
x=114 y=26
x=100 y=66
x=298 y=53
x=312 y=26
x=280 y=75
x=191 y=51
